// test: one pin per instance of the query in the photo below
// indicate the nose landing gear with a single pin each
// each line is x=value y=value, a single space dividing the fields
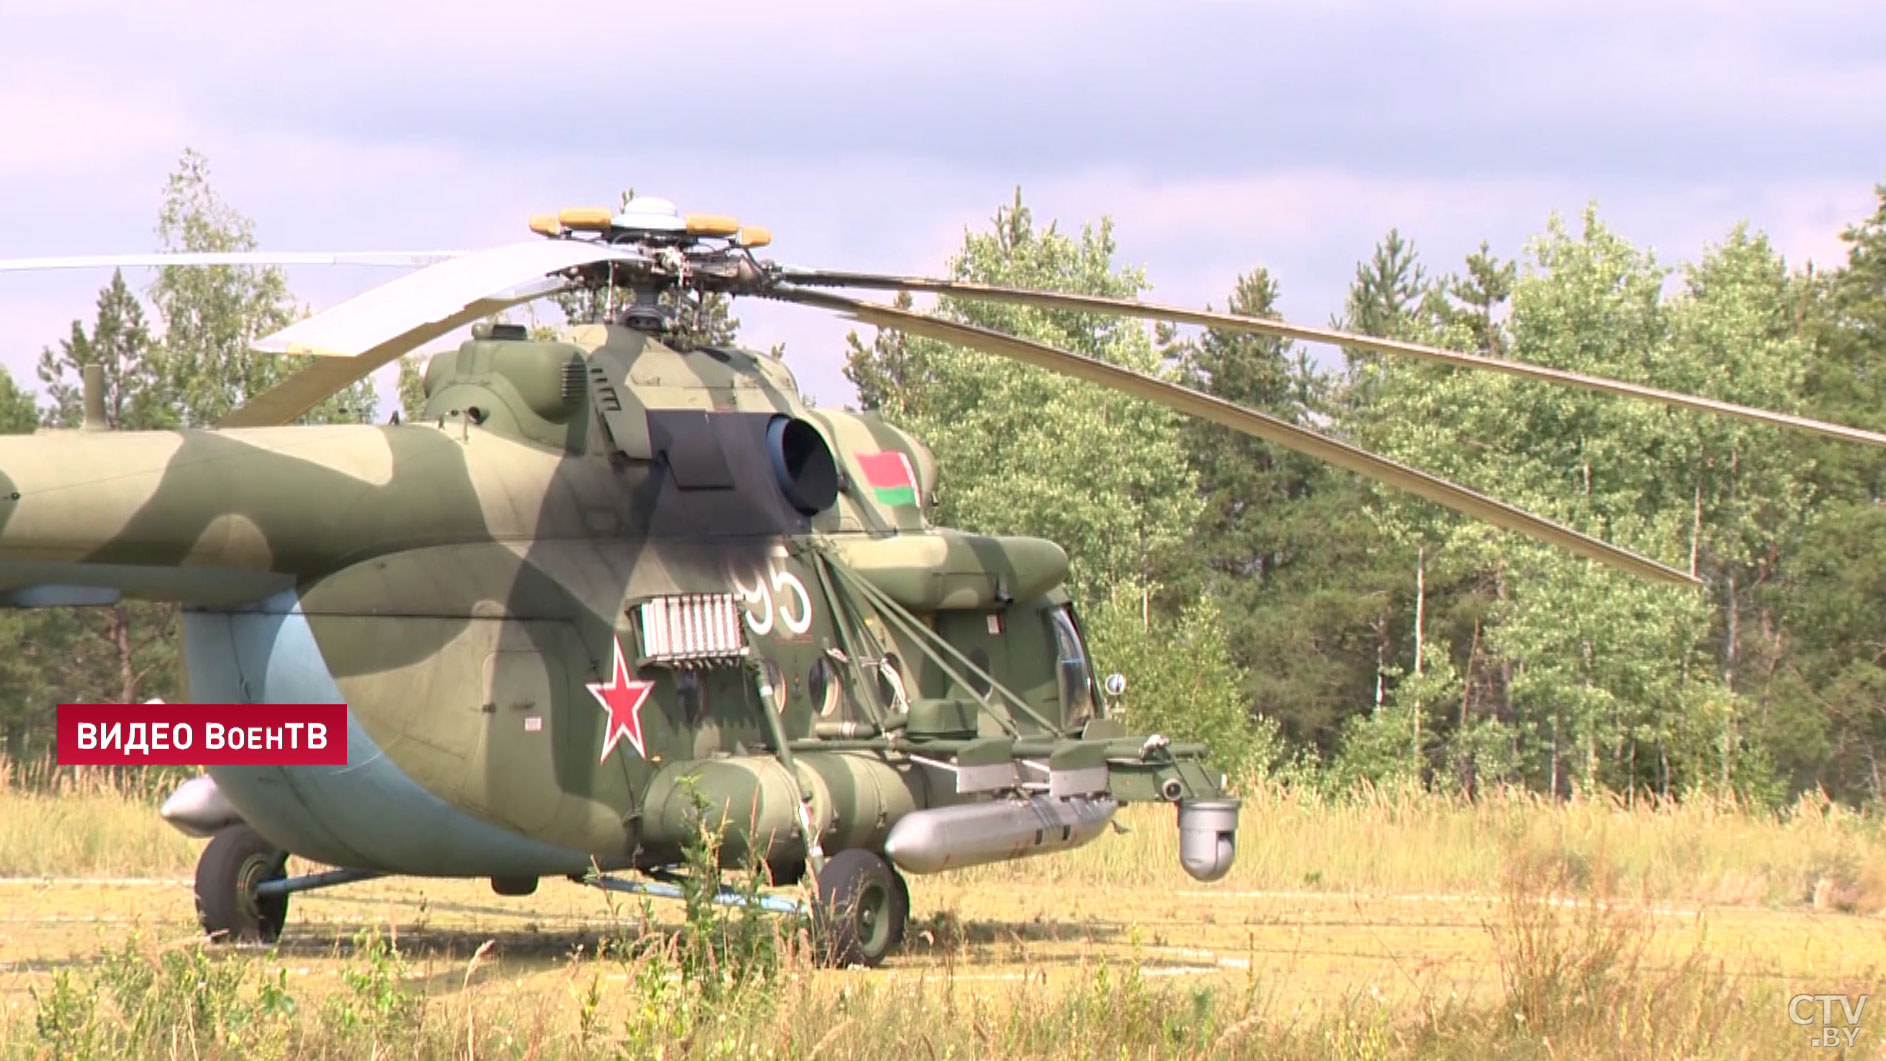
x=237 y=862
x=242 y=886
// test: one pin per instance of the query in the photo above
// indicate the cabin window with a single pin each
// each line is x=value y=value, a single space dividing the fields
x=775 y=680
x=822 y=686
x=1071 y=668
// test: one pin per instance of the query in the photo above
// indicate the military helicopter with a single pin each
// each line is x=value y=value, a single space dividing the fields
x=610 y=587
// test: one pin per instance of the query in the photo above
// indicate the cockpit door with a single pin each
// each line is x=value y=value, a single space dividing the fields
x=1073 y=672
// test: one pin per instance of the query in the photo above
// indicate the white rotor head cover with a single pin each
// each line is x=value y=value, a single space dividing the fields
x=646 y=213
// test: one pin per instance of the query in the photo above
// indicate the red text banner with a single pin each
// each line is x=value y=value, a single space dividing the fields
x=202 y=735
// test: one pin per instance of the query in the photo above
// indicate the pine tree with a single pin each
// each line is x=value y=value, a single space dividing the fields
x=120 y=344
x=1281 y=545
x=1477 y=297
x=1821 y=715
x=1388 y=292
x=1244 y=482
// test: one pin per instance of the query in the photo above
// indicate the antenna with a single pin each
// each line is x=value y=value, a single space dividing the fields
x=95 y=398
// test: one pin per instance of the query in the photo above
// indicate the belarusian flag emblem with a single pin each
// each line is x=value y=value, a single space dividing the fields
x=890 y=477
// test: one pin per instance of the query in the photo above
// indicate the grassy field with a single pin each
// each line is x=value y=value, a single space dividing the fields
x=1379 y=927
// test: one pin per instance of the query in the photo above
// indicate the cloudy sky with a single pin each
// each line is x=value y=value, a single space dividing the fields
x=1218 y=135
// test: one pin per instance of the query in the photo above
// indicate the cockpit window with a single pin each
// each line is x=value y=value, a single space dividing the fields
x=1071 y=668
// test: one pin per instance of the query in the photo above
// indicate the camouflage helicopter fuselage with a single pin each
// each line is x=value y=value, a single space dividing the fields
x=565 y=521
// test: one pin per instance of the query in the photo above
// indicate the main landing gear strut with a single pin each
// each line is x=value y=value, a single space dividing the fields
x=859 y=908
x=860 y=904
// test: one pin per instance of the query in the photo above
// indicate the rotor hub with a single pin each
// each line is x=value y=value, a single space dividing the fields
x=650 y=219
x=683 y=259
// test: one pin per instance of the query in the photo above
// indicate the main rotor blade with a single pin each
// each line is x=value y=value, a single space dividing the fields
x=1284 y=330
x=434 y=293
x=1238 y=418
x=399 y=259
x=328 y=376
x=376 y=328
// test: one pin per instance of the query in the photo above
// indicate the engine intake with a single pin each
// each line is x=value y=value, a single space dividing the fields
x=802 y=464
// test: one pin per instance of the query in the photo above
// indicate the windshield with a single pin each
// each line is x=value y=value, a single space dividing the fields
x=1077 y=686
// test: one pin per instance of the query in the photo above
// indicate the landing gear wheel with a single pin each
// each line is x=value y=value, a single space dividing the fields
x=237 y=860
x=861 y=909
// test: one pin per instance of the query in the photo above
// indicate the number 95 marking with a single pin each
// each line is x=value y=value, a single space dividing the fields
x=785 y=599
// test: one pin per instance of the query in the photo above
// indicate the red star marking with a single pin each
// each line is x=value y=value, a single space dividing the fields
x=623 y=699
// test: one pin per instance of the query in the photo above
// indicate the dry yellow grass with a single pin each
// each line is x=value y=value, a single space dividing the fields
x=69 y=823
x=1696 y=851
x=1393 y=925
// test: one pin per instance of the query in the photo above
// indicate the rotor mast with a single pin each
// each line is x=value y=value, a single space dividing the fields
x=684 y=258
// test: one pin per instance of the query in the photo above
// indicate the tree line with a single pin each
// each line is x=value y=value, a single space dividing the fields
x=1319 y=627
x=1308 y=623
x=185 y=363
